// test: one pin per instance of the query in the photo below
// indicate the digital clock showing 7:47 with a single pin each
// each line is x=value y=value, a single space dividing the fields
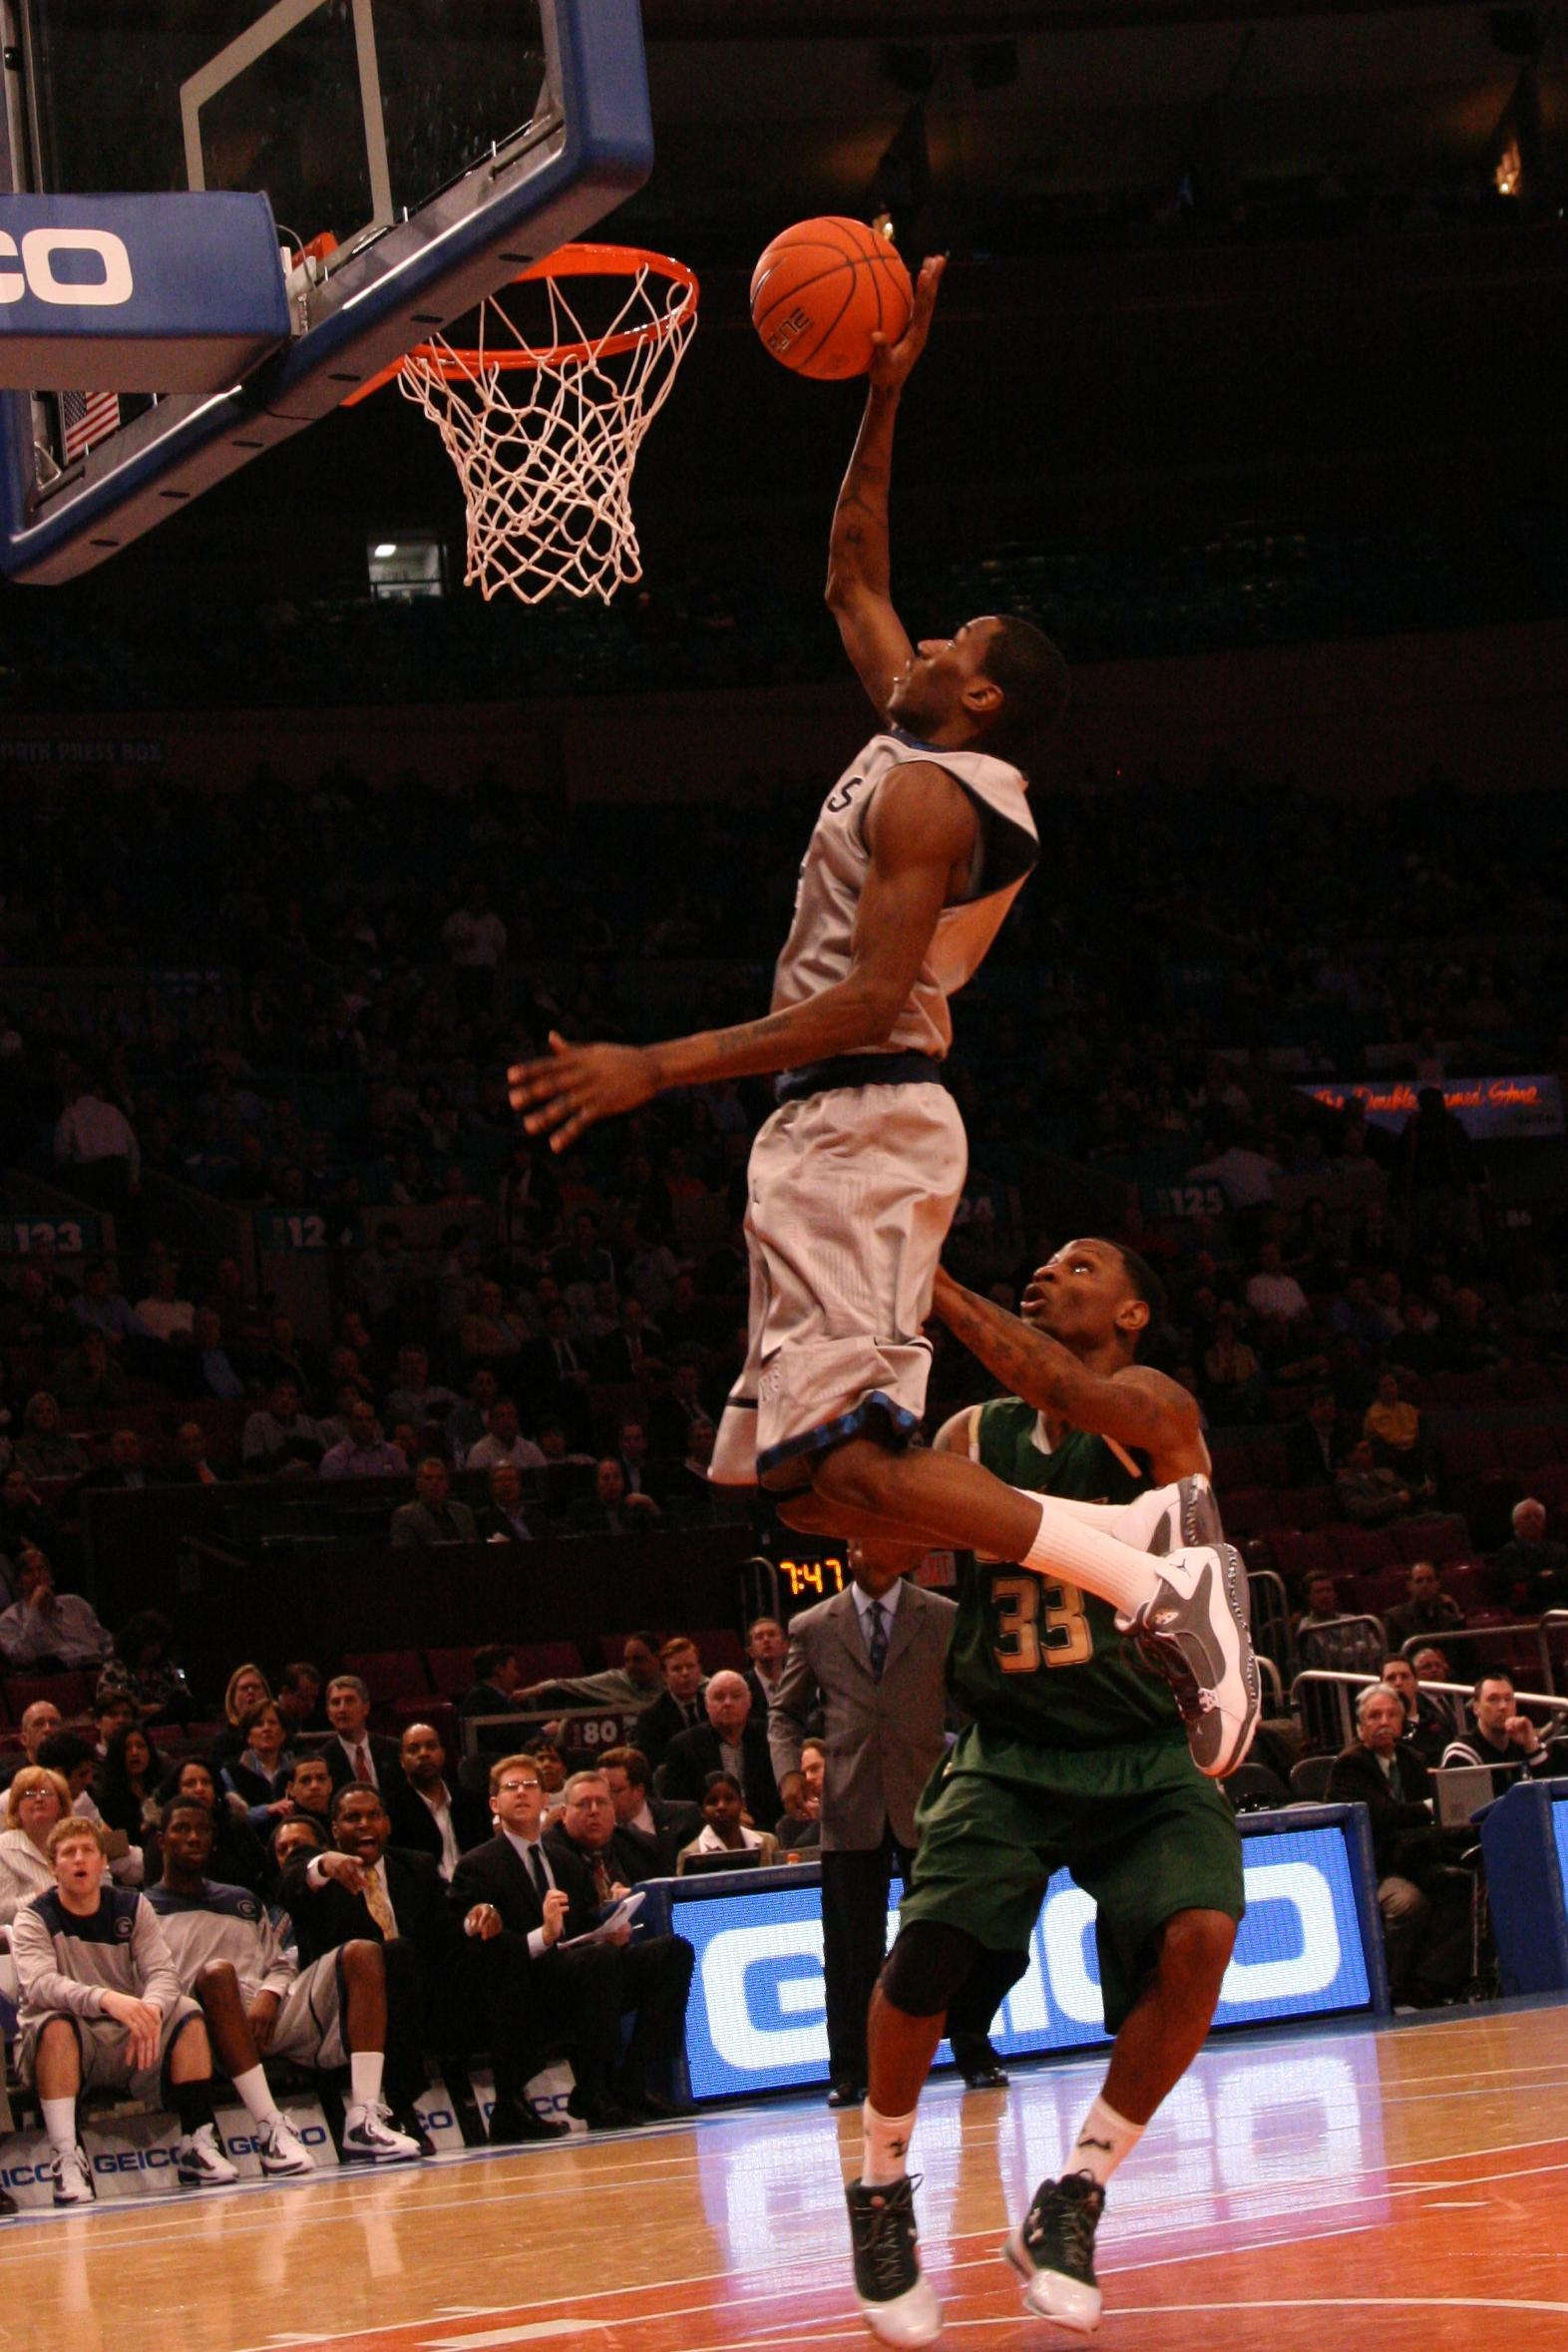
x=813 y=1580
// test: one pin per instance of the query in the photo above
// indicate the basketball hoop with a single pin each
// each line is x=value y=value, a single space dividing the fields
x=545 y=435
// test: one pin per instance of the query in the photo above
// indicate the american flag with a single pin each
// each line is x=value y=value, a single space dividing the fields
x=86 y=417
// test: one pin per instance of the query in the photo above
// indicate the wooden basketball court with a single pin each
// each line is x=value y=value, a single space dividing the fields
x=1409 y=2183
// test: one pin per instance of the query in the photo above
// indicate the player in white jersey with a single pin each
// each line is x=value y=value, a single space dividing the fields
x=917 y=854
x=260 y=2003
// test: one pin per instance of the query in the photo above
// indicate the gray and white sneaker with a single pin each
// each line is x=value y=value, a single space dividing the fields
x=369 y=2138
x=72 y=2175
x=1173 y=1518
x=199 y=2162
x=1196 y=1632
x=285 y=2155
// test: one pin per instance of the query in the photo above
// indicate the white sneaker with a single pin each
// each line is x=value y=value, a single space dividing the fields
x=72 y=2175
x=200 y=2162
x=369 y=2139
x=285 y=2155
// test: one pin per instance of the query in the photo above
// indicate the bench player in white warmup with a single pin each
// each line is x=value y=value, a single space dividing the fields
x=919 y=851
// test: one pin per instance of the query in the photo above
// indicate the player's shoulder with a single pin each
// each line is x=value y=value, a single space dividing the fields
x=1002 y=1418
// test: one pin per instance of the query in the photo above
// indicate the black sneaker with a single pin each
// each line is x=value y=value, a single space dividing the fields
x=514 y=2124
x=1053 y=2251
x=977 y=2063
x=896 y=2302
x=1196 y=1633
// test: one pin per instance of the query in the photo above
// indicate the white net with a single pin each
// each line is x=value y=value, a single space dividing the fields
x=545 y=432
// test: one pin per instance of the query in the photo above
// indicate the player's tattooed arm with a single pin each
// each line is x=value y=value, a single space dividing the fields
x=1137 y=1407
x=859 y=591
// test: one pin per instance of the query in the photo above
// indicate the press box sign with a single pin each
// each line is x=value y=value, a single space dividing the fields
x=757 y=2019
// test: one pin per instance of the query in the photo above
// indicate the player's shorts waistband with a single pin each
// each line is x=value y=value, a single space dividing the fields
x=857 y=1070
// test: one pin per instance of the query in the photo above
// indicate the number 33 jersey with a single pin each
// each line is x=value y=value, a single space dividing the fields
x=1036 y=1659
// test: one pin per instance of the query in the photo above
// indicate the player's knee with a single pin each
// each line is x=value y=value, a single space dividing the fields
x=805 y=1513
x=926 y=1966
x=857 y=1475
x=216 y=1980
x=363 y=1962
x=1196 y=1947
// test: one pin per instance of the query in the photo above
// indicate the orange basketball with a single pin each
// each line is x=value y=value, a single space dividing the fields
x=822 y=290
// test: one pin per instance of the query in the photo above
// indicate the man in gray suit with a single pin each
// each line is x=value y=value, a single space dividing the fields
x=431 y=1517
x=872 y=1660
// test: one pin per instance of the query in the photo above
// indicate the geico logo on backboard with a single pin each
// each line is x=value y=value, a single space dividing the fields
x=763 y=1995
x=113 y=285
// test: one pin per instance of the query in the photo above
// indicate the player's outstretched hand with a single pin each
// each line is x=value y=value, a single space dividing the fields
x=577 y=1085
x=891 y=362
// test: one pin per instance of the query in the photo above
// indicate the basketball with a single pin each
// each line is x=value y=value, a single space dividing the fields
x=822 y=290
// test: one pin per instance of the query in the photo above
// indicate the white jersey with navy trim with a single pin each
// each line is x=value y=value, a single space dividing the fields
x=820 y=948
x=224 y=1923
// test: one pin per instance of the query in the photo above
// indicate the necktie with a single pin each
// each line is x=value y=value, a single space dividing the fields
x=362 y=1770
x=376 y=1903
x=533 y=1864
x=877 y=1638
x=1394 y=1782
x=601 y=1886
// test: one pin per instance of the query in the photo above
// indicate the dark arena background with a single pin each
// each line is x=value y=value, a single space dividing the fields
x=1245 y=385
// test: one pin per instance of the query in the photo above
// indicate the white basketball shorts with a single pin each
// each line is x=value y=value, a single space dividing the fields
x=849 y=1196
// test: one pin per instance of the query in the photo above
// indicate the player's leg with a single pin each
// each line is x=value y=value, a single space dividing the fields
x=186 y=2067
x=1190 y=1608
x=1164 y=1865
x=234 y=2037
x=369 y=2136
x=54 y=2063
x=982 y=1864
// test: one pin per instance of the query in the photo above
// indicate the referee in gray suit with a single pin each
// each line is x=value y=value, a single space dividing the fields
x=872 y=1659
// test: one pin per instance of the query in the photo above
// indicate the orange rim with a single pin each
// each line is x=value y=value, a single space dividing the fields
x=452 y=365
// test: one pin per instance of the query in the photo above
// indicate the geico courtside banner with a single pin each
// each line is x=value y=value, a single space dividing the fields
x=756 y=2019
x=138 y=293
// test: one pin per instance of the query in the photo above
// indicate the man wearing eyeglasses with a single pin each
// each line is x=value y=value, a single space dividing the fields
x=544 y=1896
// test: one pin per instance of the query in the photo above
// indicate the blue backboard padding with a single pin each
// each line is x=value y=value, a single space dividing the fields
x=607 y=153
x=756 y=2018
x=178 y=293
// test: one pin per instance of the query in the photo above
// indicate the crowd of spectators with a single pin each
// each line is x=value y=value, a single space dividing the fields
x=496 y=1344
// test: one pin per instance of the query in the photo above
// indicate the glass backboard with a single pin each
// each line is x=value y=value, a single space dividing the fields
x=415 y=154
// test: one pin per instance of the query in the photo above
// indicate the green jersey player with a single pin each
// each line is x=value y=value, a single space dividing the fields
x=1075 y=1756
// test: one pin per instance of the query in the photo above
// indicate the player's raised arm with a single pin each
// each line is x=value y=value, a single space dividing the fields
x=1136 y=1407
x=859 y=570
x=920 y=833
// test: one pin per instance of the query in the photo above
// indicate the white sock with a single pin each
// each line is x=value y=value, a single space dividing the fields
x=1130 y=1522
x=60 y=2122
x=364 y=2075
x=1085 y=1557
x=1105 y=2139
x=885 y=2159
x=256 y=2092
